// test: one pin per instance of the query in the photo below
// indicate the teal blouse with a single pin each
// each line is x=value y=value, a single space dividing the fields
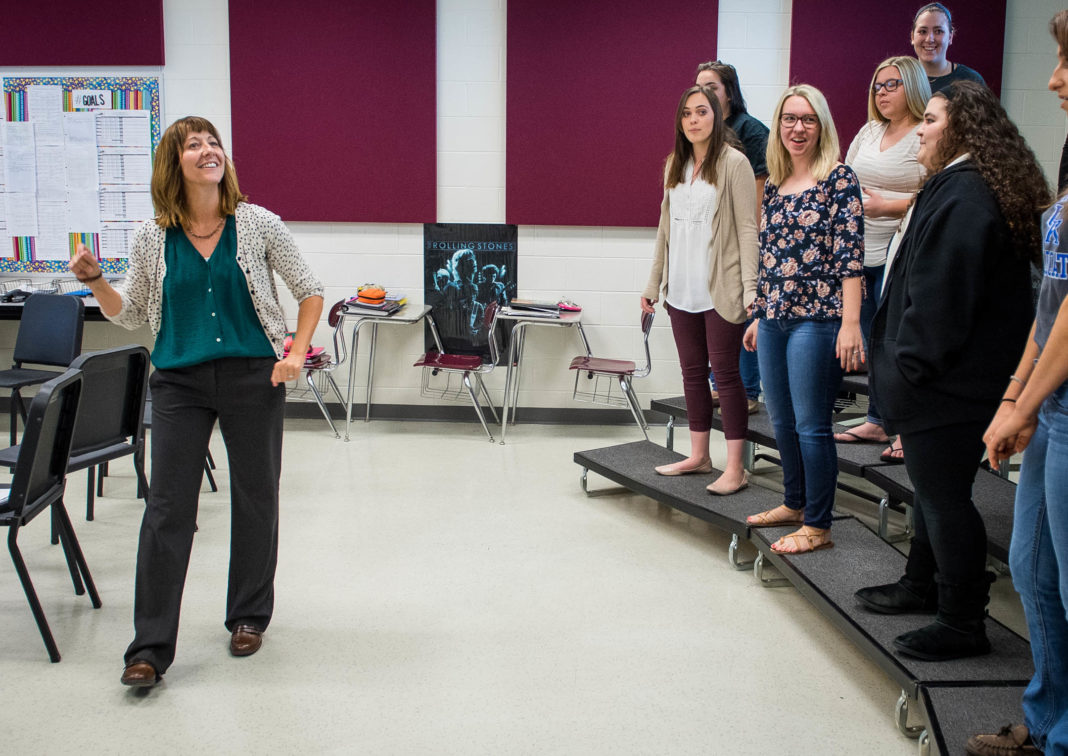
x=207 y=309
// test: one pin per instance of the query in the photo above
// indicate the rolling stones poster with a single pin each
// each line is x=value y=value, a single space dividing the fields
x=467 y=266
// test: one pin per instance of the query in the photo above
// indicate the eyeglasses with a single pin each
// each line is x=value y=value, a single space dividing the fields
x=789 y=120
x=890 y=85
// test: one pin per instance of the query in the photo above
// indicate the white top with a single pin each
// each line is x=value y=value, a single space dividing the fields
x=894 y=173
x=692 y=207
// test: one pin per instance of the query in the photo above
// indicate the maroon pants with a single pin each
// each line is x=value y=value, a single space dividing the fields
x=704 y=339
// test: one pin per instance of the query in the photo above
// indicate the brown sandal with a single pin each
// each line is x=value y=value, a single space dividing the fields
x=781 y=515
x=804 y=540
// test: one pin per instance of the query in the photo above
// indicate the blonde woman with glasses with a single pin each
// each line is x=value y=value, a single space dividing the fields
x=807 y=308
x=883 y=154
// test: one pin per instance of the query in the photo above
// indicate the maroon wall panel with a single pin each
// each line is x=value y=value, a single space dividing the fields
x=80 y=33
x=592 y=91
x=841 y=62
x=334 y=108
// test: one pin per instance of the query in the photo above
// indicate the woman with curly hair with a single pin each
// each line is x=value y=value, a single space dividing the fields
x=807 y=308
x=954 y=317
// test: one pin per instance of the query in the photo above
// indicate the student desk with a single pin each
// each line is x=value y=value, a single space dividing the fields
x=359 y=318
x=515 y=351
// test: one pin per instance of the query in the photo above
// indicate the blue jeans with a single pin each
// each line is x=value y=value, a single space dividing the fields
x=749 y=367
x=873 y=281
x=801 y=377
x=1038 y=558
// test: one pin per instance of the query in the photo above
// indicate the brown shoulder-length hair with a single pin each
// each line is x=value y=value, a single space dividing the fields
x=978 y=124
x=1058 y=27
x=683 y=151
x=168 y=186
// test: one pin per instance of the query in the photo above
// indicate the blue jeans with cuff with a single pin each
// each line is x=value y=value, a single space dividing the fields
x=801 y=377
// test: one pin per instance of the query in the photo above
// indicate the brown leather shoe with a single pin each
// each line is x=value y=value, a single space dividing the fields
x=140 y=674
x=245 y=640
x=754 y=406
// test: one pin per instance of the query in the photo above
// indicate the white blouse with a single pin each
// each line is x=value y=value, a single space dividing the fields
x=691 y=207
x=894 y=173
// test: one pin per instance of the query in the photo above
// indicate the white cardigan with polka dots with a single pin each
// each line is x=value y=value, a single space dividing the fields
x=264 y=246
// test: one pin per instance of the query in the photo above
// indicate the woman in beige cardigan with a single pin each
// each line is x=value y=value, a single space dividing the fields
x=705 y=264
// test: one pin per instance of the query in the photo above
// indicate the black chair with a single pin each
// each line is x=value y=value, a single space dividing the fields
x=110 y=419
x=50 y=333
x=38 y=485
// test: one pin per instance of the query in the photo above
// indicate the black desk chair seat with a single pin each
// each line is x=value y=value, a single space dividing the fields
x=38 y=485
x=50 y=333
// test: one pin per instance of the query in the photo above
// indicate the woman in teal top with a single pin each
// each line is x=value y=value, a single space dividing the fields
x=202 y=276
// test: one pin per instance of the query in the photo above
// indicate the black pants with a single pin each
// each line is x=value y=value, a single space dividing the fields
x=949 y=536
x=185 y=405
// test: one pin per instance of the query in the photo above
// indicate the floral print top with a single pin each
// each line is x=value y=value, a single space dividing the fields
x=809 y=242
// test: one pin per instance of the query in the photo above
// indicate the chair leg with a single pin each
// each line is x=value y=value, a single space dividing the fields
x=478 y=407
x=101 y=472
x=208 y=464
x=68 y=528
x=210 y=460
x=16 y=401
x=90 y=499
x=139 y=470
x=310 y=378
x=489 y=399
x=334 y=387
x=68 y=553
x=632 y=400
x=31 y=595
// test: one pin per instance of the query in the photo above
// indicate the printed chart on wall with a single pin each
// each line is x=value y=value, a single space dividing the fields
x=75 y=166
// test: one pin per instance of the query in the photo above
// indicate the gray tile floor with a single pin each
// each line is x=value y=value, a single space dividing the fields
x=440 y=594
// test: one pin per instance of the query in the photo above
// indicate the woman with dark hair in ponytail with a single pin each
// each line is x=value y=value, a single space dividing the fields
x=1034 y=416
x=955 y=312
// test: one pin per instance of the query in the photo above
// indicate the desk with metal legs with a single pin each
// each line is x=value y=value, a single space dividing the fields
x=515 y=352
x=406 y=316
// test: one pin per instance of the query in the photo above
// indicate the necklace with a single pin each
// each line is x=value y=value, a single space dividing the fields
x=206 y=236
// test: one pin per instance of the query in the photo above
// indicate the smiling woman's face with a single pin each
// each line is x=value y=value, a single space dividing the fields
x=799 y=139
x=203 y=160
x=931 y=38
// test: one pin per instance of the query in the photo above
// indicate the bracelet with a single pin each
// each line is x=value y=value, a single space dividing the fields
x=90 y=279
x=1009 y=400
x=1018 y=380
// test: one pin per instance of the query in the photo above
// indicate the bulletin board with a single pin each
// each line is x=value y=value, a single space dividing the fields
x=75 y=167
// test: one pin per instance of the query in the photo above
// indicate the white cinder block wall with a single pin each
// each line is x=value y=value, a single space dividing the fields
x=602 y=268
